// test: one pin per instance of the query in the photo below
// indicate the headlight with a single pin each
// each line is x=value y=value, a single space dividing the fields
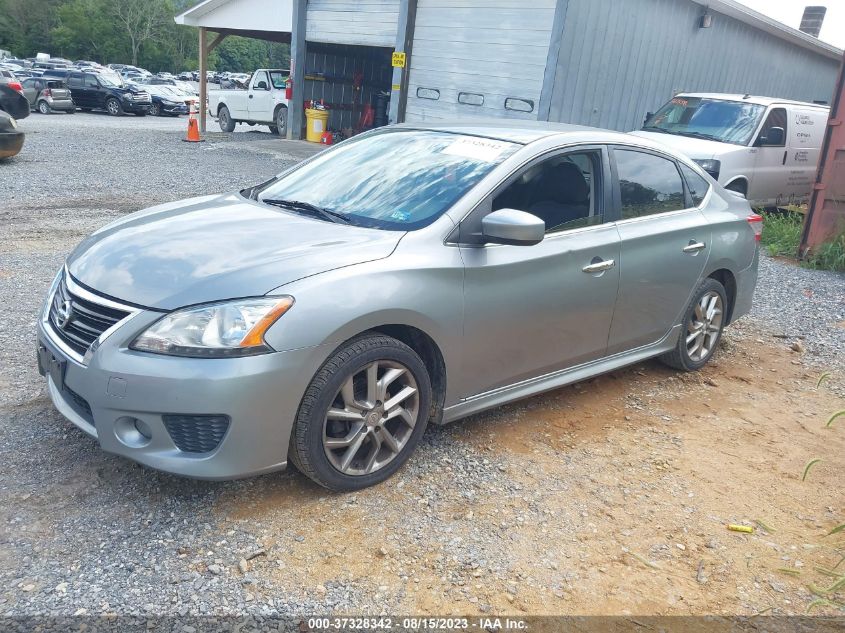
x=220 y=330
x=710 y=165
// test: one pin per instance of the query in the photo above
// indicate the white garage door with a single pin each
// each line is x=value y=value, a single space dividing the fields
x=357 y=22
x=481 y=58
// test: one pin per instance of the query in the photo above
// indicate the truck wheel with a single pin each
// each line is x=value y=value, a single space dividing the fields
x=113 y=107
x=225 y=120
x=44 y=107
x=281 y=122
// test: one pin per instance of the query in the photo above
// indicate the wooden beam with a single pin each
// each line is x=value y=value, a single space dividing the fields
x=214 y=44
x=203 y=60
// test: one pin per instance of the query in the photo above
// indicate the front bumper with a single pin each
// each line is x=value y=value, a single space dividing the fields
x=10 y=143
x=136 y=106
x=179 y=108
x=259 y=394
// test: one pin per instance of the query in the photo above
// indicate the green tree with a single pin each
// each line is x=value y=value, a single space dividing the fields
x=143 y=21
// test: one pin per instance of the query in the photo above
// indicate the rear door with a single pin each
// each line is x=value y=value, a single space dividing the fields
x=31 y=88
x=533 y=310
x=665 y=242
x=260 y=101
x=77 y=90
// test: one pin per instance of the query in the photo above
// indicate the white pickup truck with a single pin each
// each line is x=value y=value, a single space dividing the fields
x=263 y=102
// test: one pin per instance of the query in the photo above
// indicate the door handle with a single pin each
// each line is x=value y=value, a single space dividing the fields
x=597 y=267
x=784 y=157
x=694 y=247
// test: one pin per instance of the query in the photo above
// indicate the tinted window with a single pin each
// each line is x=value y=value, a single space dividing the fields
x=560 y=190
x=776 y=118
x=393 y=180
x=91 y=81
x=75 y=81
x=649 y=184
x=696 y=184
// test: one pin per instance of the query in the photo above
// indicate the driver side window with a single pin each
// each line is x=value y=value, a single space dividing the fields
x=561 y=190
x=777 y=118
x=259 y=79
x=91 y=81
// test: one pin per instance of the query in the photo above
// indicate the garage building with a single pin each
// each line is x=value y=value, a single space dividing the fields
x=593 y=62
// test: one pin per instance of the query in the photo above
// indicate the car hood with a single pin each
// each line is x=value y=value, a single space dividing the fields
x=215 y=248
x=700 y=148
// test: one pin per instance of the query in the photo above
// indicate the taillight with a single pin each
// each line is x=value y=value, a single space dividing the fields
x=756 y=222
x=46 y=93
x=14 y=85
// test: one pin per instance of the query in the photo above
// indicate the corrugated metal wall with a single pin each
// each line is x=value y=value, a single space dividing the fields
x=469 y=56
x=365 y=22
x=619 y=60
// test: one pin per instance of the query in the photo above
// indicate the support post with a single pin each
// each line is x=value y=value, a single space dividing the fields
x=404 y=43
x=203 y=60
x=296 y=110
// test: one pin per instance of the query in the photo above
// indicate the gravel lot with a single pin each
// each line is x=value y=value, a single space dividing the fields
x=606 y=497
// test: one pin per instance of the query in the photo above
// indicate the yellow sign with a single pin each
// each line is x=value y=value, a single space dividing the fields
x=398 y=60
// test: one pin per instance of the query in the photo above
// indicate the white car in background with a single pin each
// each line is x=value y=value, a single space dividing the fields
x=764 y=148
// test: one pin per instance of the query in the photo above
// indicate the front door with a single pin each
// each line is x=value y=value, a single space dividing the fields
x=532 y=310
x=665 y=242
x=769 y=185
x=260 y=101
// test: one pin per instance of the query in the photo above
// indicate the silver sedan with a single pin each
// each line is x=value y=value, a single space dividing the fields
x=408 y=276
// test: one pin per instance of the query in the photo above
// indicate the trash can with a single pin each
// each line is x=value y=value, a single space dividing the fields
x=315 y=124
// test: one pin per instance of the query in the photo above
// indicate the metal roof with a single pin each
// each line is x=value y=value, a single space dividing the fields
x=753 y=18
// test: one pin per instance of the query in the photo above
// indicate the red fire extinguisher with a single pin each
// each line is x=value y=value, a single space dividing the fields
x=288 y=89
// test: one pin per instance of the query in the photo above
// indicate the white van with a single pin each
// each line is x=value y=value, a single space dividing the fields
x=766 y=149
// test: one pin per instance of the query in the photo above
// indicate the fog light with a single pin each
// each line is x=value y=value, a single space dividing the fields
x=132 y=432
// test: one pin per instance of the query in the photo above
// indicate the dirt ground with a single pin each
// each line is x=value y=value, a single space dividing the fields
x=625 y=505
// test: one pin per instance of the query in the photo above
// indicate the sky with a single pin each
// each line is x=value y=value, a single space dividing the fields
x=790 y=11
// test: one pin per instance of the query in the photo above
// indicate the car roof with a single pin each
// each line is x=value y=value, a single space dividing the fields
x=524 y=132
x=764 y=101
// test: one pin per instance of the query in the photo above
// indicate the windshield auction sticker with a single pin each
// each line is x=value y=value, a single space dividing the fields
x=483 y=149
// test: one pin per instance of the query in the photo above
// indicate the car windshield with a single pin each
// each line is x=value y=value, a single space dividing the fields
x=397 y=180
x=714 y=119
x=110 y=80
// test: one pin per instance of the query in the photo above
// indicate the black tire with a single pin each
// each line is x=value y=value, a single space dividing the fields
x=679 y=358
x=306 y=449
x=273 y=129
x=44 y=107
x=281 y=122
x=72 y=111
x=224 y=118
x=113 y=107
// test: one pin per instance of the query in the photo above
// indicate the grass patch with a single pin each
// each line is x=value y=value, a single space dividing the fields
x=782 y=233
x=782 y=237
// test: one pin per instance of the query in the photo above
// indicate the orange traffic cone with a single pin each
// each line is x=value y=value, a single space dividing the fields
x=193 y=128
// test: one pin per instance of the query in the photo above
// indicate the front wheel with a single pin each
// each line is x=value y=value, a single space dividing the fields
x=362 y=415
x=704 y=321
x=155 y=110
x=113 y=107
x=225 y=120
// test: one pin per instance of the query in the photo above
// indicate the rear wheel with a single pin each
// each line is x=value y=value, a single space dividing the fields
x=44 y=107
x=362 y=415
x=704 y=321
x=155 y=110
x=225 y=120
x=113 y=107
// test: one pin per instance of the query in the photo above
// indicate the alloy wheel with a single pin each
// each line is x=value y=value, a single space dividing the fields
x=113 y=107
x=371 y=418
x=704 y=326
x=43 y=107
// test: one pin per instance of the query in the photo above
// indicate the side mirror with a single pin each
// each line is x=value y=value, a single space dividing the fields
x=648 y=115
x=509 y=226
x=775 y=137
x=261 y=85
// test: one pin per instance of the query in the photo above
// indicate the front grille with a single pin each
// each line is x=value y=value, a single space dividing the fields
x=196 y=433
x=80 y=404
x=142 y=97
x=79 y=322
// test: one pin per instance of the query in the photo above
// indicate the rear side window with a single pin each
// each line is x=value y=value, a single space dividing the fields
x=696 y=184
x=75 y=81
x=649 y=184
